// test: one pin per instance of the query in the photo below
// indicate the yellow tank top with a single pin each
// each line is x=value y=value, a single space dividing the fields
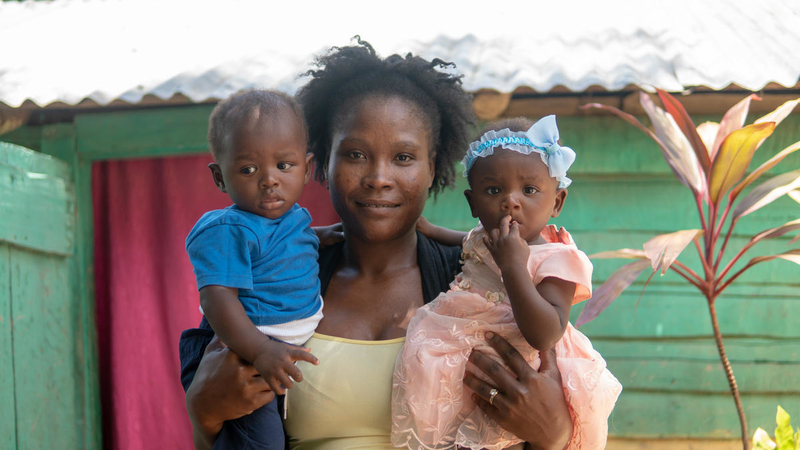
x=345 y=401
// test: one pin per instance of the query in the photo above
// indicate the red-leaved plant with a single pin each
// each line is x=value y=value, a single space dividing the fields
x=711 y=160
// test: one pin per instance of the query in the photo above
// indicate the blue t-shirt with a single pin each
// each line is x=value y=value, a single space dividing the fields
x=273 y=262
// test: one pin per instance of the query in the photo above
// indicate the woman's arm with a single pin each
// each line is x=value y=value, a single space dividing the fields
x=225 y=387
x=541 y=311
x=529 y=404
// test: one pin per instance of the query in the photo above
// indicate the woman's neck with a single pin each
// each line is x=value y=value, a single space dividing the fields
x=377 y=258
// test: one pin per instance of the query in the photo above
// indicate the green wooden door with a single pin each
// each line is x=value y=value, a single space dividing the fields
x=41 y=375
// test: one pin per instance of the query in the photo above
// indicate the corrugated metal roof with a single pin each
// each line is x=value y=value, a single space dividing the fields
x=67 y=52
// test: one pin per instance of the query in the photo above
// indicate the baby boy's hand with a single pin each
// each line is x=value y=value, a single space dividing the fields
x=506 y=246
x=275 y=363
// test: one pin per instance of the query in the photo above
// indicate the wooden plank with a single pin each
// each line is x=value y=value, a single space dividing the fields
x=738 y=349
x=31 y=161
x=682 y=314
x=765 y=366
x=622 y=443
x=44 y=351
x=707 y=376
x=27 y=136
x=661 y=415
x=146 y=133
x=42 y=209
x=59 y=140
x=8 y=425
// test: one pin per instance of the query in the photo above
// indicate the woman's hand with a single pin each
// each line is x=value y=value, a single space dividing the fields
x=225 y=387
x=329 y=235
x=529 y=404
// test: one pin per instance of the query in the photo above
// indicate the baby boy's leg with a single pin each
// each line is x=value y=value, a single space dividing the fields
x=261 y=430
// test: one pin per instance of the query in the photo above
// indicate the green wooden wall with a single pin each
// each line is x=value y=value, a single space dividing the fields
x=42 y=370
x=662 y=351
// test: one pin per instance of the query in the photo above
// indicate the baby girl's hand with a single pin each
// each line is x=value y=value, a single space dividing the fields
x=506 y=246
x=275 y=363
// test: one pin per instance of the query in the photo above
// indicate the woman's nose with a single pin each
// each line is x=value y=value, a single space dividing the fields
x=379 y=176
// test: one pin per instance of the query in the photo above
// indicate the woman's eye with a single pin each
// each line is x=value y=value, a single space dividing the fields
x=530 y=190
x=356 y=155
x=493 y=190
x=404 y=158
x=248 y=170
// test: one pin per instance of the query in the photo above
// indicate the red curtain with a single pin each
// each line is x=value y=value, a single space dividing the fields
x=146 y=292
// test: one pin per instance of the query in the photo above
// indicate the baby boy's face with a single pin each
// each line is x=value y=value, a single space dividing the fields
x=265 y=165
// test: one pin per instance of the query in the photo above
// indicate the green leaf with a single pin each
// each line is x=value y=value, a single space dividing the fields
x=783 y=433
x=761 y=169
x=767 y=192
x=734 y=157
x=732 y=121
x=677 y=111
x=675 y=147
x=665 y=248
x=603 y=296
x=761 y=440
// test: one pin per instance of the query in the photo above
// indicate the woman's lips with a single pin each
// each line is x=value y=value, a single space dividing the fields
x=376 y=204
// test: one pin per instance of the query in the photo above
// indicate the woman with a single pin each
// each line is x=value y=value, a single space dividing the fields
x=385 y=134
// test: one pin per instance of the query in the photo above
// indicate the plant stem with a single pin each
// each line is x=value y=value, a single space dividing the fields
x=733 y=277
x=687 y=277
x=688 y=270
x=733 y=261
x=706 y=269
x=725 y=243
x=728 y=372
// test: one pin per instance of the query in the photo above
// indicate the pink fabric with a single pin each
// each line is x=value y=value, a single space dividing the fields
x=431 y=410
x=146 y=292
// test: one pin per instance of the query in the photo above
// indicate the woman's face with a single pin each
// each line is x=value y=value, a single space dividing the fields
x=380 y=168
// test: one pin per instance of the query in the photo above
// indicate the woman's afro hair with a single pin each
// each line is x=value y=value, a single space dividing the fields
x=347 y=75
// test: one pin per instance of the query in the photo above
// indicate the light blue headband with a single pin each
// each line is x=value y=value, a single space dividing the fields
x=541 y=138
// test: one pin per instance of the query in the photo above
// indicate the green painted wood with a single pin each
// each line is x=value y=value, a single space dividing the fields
x=148 y=133
x=59 y=140
x=739 y=349
x=706 y=376
x=37 y=201
x=27 y=136
x=606 y=144
x=690 y=415
x=8 y=425
x=682 y=313
x=44 y=351
x=619 y=204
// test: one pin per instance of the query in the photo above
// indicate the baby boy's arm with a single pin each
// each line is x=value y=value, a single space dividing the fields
x=541 y=311
x=273 y=360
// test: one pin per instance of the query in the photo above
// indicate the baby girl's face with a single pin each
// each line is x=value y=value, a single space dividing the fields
x=510 y=183
x=265 y=166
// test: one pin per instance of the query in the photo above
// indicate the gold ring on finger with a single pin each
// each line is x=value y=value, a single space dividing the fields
x=492 y=394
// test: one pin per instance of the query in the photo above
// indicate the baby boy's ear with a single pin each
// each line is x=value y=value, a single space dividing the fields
x=216 y=174
x=309 y=167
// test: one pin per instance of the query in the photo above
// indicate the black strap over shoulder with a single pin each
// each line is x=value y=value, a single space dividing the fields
x=438 y=265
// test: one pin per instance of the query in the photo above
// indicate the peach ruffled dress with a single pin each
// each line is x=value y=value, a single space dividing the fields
x=431 y=407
